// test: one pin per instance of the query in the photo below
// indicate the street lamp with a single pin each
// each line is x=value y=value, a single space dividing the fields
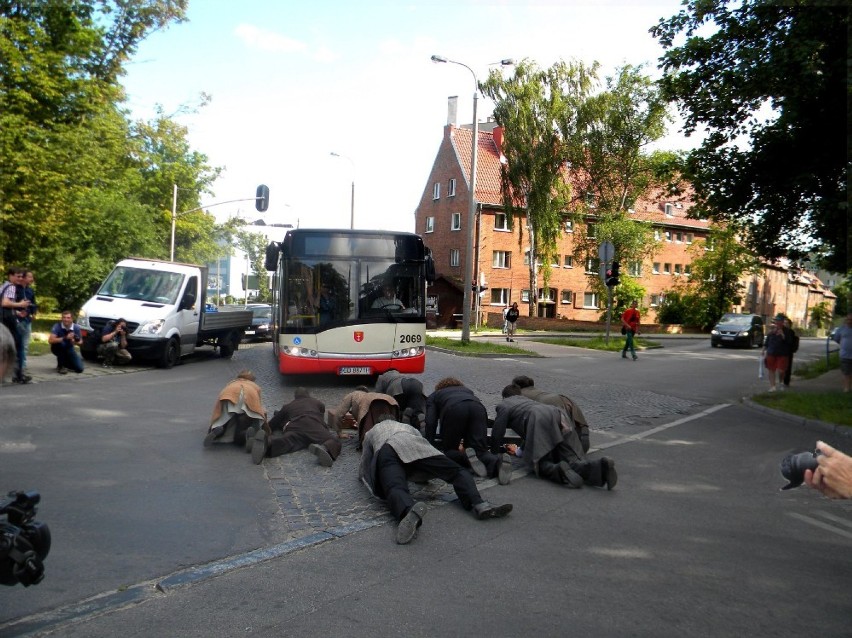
x=471 y=213
x=352 y=200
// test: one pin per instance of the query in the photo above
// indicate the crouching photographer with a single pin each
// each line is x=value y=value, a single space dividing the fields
x=24 y=542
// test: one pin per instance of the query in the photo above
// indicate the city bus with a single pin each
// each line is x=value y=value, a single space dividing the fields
x=349 y=302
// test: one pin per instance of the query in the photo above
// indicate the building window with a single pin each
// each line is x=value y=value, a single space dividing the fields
x=436 y=191
x=430 y=224
x=451 y=188
x=591 y=231
x=525 y=296
x=656 y=268
x=668 y=235
x=687 y=270
x=669 y=210
x=501 y=222
x=658 y=234
x=501 y=259
x=678 y=270
x=527 y=260
x=500 y=296
x=550 y=296
x=590 y=300
x=569 y=226
x=667 y=269
x=555 y=261
x=454 y=257
x=655 y=300
x=710 y=244
x=593 y=265
x=634 y=268
x=568 y=261
x=679 y=237
x=590 y=199
x=455 y=221
x=567 y=296
x=689 y=238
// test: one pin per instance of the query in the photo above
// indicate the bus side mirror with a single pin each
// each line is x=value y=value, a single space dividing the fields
x=270 y=261
x=261 y=198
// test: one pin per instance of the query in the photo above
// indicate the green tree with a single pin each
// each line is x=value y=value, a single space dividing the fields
x=782 y=177
x=532 y=107
x=254 y=245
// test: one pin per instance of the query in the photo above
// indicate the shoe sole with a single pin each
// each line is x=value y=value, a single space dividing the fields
x=208 y=440
x=258 y=448
x=476 y=465
x=323 y=457
x=408 y=526
x=250 y=434
x=611 y=475
x=504 y=474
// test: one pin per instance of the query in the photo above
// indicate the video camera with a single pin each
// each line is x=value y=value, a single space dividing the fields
x=24 y=542
x=793 y=467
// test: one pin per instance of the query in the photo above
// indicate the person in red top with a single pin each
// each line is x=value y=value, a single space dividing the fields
x=630 y=322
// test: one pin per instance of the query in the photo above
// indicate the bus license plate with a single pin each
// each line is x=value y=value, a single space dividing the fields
x=355 y=370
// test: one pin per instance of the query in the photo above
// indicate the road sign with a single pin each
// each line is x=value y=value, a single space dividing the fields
x=606 y=251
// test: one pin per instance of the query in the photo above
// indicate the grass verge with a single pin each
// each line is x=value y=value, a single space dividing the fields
x=598 y=343
x=833 y=407
x=473 y=347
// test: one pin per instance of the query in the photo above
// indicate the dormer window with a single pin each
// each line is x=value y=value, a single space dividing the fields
x=669 y=210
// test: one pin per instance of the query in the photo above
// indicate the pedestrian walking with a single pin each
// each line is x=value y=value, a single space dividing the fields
x=512 y=315
x=630 y=328
x=776 y=349
x=843 y=336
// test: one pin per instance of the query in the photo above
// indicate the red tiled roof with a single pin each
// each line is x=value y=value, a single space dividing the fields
x=488 y=163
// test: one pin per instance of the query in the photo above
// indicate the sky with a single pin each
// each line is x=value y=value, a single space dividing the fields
x=292 y=82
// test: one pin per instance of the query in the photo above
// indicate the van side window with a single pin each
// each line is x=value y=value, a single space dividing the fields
x=190 y=295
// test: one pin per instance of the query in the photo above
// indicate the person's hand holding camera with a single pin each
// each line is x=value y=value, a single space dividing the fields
x=833 y=475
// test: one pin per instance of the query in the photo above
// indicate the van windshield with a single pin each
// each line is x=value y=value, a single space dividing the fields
x=144 y=285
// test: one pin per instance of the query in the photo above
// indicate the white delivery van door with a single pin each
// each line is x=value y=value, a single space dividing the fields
x=189 y=315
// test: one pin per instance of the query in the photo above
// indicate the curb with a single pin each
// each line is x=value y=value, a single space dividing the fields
x=814 y=425
x=486 y=355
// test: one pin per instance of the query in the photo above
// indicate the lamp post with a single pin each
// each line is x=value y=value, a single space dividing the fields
x=352 y=199
x=471 y=213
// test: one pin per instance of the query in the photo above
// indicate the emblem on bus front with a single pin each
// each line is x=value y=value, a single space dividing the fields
x=359 y=336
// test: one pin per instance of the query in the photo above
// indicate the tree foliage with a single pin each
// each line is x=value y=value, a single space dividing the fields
x=535 y=107
x=781 y=177
x=80 y=185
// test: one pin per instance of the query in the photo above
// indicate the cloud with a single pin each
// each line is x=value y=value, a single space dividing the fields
x=257 y=38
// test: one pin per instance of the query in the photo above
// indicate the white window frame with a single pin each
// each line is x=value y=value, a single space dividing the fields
x=678 y=237
x=501 y=222
x=678 y=270
x=525 y=296
x=455 y=221
x=501 y=259
x=669 y=210
x=568 y=261
x=634 y=268
x=451 y=188
x=555 y=262
x=668 y=236
x=430 y=224
x=591 y=300
x=656 y=268
x=567 y=297
x=658 y=234
x=436 y=191
x=592 y=265
x=500 y=296
x=689 y=238
x=655 y=300
x=455 y=259
x=667 y=268
x=551 y=294
x=569 y=226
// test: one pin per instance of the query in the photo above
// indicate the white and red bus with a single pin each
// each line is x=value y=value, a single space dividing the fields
x=349 y=302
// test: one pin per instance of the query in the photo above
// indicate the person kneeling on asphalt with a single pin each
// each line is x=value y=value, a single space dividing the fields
x=550 y=446
x=408 y=393
x=463 y=417
x=238 y=408
x=576 y=416
x=297 y=425
x=393 y=452
x=360 y=409
x=113 y=347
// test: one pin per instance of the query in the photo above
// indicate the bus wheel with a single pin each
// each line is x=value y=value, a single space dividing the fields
x=171 y=354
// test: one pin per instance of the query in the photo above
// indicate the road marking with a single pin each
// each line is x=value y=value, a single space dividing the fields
x=821 y=525
x=660 y=428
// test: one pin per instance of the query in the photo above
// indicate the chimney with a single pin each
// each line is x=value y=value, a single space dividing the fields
x=497 y=132
x=452 y=110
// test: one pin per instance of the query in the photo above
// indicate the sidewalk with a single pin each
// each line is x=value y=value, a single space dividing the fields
x=43 y=368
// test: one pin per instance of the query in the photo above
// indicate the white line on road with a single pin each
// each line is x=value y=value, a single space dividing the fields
x=820 y=524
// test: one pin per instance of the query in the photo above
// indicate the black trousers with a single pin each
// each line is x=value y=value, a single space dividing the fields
x=468 y=421
x=299 y=434
x=392 y=479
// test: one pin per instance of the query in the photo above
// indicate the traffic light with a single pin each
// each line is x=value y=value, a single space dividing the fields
x=612 y=274
x=261 y=198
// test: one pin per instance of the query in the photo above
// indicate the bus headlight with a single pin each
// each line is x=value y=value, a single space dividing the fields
x=295 y=351
x=407 y=353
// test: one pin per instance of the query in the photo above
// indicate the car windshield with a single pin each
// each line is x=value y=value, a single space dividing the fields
x=262 y=313
x=744 y=320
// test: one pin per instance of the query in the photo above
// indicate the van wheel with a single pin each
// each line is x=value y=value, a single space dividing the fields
x=171 y=354
x=228 y=346
x=89 y=355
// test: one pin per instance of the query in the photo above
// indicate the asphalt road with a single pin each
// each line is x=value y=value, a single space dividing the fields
x=154 y=535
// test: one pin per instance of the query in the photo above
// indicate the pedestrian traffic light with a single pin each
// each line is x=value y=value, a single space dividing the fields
x=612 y=274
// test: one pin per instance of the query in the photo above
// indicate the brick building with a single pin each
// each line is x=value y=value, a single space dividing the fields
x=501 y=265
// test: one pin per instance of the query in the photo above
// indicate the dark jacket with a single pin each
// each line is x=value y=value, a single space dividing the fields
x=442 y=400
x=539 y=425
x=780 y=344
x=304 y=408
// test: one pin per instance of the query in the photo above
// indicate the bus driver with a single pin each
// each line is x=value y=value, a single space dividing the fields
x=388 y=299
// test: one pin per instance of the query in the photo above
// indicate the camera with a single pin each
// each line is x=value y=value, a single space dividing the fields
x=24 y=542
x=793 y=467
